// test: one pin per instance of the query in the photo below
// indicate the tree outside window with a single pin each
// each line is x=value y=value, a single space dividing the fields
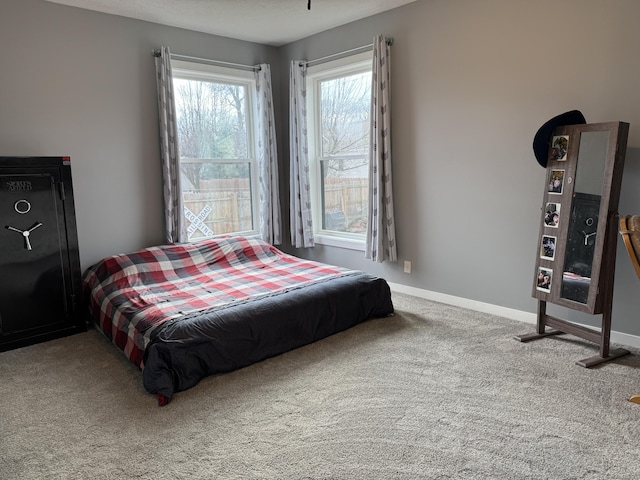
x=217 y=164
x=342 y=149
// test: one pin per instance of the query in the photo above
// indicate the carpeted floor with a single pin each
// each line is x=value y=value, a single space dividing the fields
x=434 y=392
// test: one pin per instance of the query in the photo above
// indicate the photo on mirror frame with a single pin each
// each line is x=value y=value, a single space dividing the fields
x=552 y=215
x=559 y=148
x=543 y=282
x=548 y=248
x=556 y=180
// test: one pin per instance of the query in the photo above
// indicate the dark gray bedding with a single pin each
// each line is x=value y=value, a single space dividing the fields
x=221 y=340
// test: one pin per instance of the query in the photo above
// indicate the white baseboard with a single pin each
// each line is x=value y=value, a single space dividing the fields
x=526 y=317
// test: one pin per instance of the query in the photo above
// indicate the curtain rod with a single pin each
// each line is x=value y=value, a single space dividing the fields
x=361 y=49
x=207 y=61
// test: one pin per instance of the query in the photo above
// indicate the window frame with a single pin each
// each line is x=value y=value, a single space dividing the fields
x=213 y=73
x=345 y=66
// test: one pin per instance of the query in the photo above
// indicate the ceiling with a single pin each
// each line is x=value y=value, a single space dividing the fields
x=270 y=22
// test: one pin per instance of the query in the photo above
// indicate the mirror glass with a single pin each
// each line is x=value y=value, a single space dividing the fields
x=583 y=223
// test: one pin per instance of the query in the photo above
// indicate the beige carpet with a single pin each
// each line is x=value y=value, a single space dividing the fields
x=434 y=392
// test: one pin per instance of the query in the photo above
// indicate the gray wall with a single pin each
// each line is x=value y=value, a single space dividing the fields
x=81 y=83
x=472 y=82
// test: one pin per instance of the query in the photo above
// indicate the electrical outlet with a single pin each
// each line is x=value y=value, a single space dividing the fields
x=407 y=266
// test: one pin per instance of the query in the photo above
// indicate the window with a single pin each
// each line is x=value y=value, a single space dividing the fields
x=218 y=173
x=339 y=107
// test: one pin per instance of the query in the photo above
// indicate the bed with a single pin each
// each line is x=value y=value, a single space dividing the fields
x=181 y=312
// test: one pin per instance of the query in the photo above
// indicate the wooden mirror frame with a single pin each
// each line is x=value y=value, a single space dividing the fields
x=598 y=300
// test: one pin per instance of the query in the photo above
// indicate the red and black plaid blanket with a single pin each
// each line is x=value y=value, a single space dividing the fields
x=132 y=295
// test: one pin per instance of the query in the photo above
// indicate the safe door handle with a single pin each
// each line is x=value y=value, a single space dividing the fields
x=25 y=233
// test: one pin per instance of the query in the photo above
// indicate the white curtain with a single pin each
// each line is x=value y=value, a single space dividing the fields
x=270 y=228
x=175 y=230
x=381 y=231
x=300 y=208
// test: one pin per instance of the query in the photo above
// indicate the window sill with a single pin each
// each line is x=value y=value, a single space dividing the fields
x=340 y=242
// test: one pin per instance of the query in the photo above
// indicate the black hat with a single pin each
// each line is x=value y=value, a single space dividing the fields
x=543 y=136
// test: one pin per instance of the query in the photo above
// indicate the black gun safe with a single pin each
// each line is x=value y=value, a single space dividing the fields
x=40 y=276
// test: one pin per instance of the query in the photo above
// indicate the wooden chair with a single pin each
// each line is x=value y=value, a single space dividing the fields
x=630 y=231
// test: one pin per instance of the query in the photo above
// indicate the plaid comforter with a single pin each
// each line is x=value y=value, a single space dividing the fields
x=131 y=296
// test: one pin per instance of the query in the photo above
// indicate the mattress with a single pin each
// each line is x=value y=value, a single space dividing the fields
x=181 y=312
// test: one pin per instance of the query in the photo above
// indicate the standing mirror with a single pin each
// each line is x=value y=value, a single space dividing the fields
x=581 y=263
x=576 y=251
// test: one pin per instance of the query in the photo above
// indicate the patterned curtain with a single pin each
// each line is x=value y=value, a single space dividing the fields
x=381 y=230
x=175 y=230
x=301 y=226
x=270 y=228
